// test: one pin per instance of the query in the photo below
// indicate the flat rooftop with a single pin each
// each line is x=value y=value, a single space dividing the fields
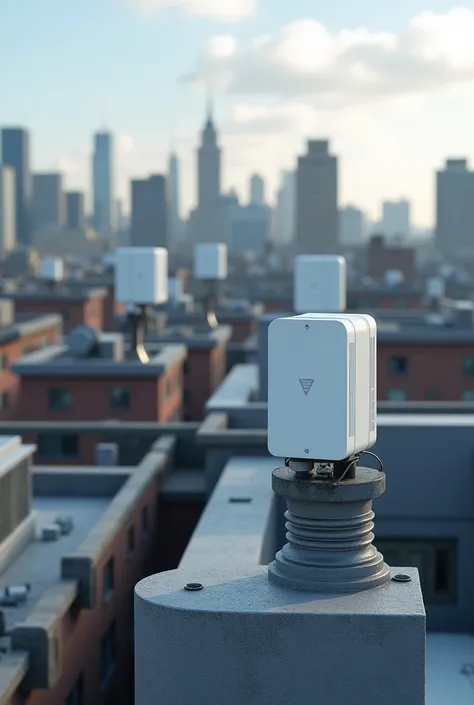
x=25 y=324
x=62 y=292
x=40 y=562
x=59 y=360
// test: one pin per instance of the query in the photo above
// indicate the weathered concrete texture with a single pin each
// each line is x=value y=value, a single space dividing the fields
x=242 y=640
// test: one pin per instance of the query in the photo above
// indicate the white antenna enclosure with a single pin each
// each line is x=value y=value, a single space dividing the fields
x=210 y=261
x=320 y=283
x=52 y=269
x=321 y=386
x=435 y=287
x=141 y=275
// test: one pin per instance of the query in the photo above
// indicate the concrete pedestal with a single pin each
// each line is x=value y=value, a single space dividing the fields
x=242 y=640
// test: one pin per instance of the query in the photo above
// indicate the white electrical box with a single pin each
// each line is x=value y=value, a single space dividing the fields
x=320 y=283
x=52 y=269
x=322 y=395
x=141 y=275
x=210 y=261
x=175 y=288
x=435 y=287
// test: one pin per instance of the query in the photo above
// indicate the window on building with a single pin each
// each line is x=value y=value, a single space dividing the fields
x=186 y=396
x=468 y=366
x=467 y=395
x=186 y=367
x=76 y=695
x=58 y=445
x=432 y=394
x=4 y=401
x=120 y=398
x=131 y=542
x=108 y=655
x=60 y=398
x=144 y=523
x=398 y=365
x=397 y=394
x=3 y=362
x=109 y=580
x=436 y=561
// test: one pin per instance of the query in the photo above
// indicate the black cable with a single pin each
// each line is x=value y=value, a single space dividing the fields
x=369 y=452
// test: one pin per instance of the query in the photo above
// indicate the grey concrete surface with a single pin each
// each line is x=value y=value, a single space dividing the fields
x=234 y=526
x=243 y=640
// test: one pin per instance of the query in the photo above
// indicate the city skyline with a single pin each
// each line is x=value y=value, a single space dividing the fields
x=404 y=111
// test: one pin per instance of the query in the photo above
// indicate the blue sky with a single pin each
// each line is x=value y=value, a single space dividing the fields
x=74 y=65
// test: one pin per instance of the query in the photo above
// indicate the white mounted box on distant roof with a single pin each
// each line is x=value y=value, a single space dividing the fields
x=320 y=283
x=210 y=261
x=52 y=269
x=321 y=386
x=141 y=275
x=435 y=287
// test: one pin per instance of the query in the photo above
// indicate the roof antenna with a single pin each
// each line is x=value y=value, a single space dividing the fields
x=141 y=280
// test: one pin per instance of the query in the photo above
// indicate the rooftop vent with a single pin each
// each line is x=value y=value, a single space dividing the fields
x=51 y=532
x=13 y=595
x=83 y=342
x=65 y=523
x=106 y=455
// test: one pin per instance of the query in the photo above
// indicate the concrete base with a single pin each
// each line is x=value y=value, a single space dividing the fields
x=243 y=640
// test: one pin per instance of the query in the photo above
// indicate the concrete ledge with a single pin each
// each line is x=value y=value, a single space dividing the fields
x=234 y=524
x=40 y=636
x=16 y=542
x=79 y=481
x=82 y=564
x=13 y=669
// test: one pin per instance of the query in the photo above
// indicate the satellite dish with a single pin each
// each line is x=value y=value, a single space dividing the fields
x=83 y=341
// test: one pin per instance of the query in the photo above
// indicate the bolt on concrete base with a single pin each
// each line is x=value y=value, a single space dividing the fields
x=242 y=639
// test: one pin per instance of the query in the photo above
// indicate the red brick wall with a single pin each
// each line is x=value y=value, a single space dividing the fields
x=75 y=313
x=430 y=367
x=82 y=632
x=10 y=382
x=91 y=398
x=206 y=370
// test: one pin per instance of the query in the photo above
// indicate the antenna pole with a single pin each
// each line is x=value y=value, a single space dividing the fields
x=210 y=301
x=136 y=319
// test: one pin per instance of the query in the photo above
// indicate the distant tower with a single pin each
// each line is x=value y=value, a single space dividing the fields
x=75 y=210
x=16 y=153
x=257 y=190
x=7 y=210
x=48 y=207
x=209 y=163
x=317 y=214
x=284 y=220
x=103 y=184
x=175 y=224
x=455 y=208
x=149 y=217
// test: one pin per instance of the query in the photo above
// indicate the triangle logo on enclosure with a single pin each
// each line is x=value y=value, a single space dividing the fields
x=306 y=385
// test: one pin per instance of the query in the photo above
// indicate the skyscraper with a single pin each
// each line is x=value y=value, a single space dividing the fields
x=317 y=213
x=352 y=225
x=395 y=218
x=175 y=224
x=75 y=210
x=149 y=221
x=103 y=184
x=257 y=190
x=209 y=183
x=455 y=208
x=7 y=210
x=284 y=220
x=16 y=153
x=48 y=206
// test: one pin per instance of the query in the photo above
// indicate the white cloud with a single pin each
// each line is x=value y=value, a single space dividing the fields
x=352 y=66
x=222 y=10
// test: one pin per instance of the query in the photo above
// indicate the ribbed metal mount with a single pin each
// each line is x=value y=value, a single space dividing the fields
x=329 y=533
